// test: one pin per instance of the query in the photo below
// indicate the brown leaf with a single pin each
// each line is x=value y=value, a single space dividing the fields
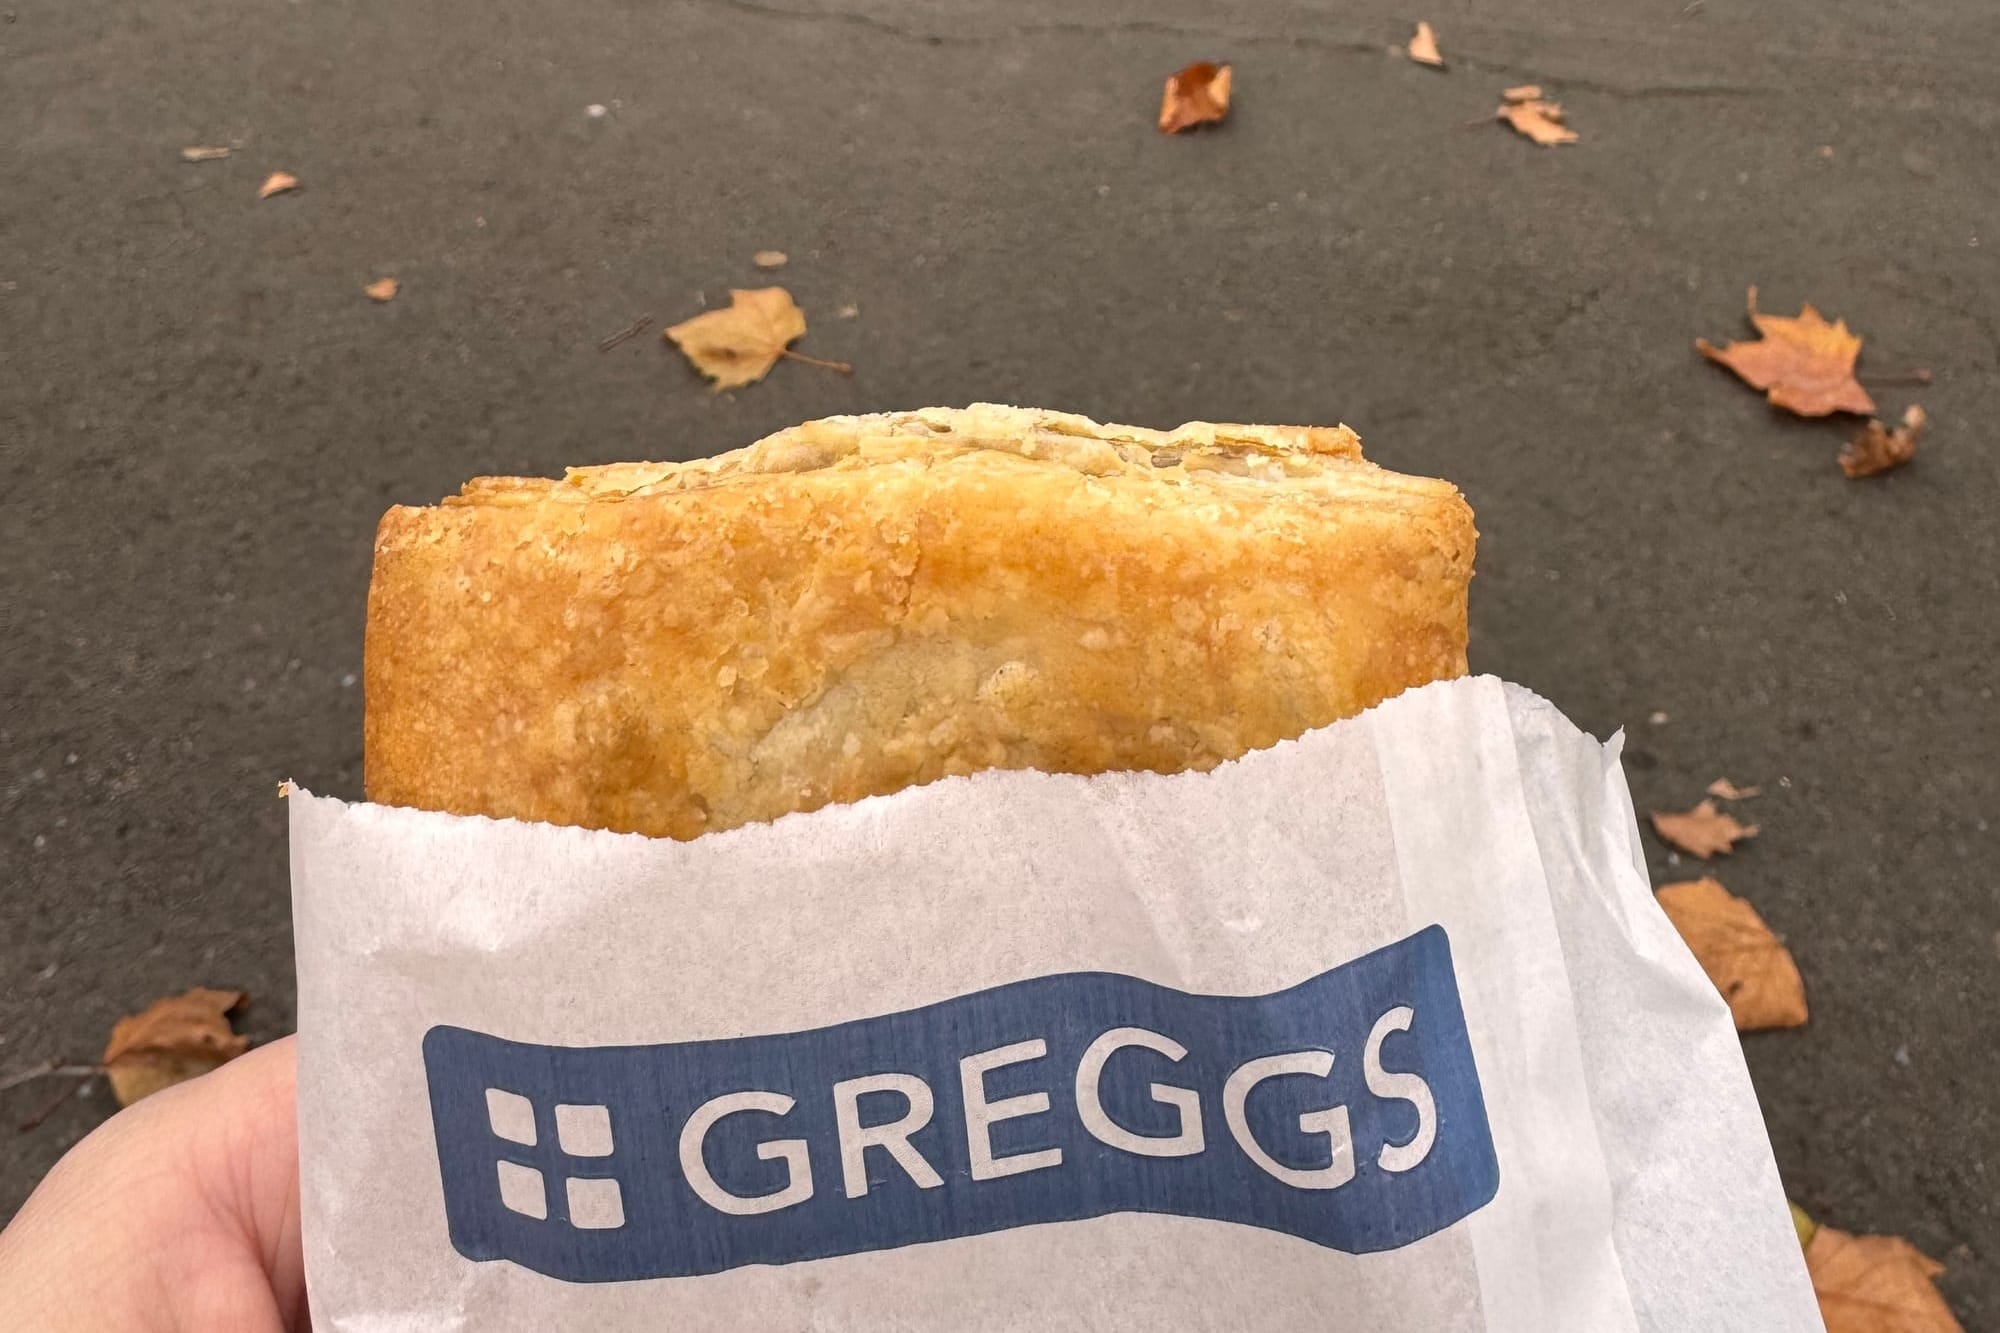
x=1539 y=120
x=738 y=346
x=1522 y=92
x=769 y=259
x=1877 y=449
x=383 y=289
x=1703 y=831
x=1754 y=972
x=278 y=182
x=1424 y=46
x=1876 y=1284
x=1729 y=791
x=1197 y=95
x=172 y=1041
x=203 y=154
x=1805 y=364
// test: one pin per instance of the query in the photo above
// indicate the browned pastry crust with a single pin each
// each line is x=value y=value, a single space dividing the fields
x=861 y=604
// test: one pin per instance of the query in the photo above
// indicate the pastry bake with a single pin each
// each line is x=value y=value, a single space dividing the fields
x=860 y=604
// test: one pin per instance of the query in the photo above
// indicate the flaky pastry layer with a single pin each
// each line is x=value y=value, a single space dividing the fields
x=861 y=604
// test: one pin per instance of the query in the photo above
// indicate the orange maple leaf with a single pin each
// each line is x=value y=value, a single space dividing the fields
x=1804 y=364
x=1703 y=831
x=172 y=1041
x=1878 y=449
x=1197 y=95
x=1754 y=972
x=739 y=345
x=1876 y=1284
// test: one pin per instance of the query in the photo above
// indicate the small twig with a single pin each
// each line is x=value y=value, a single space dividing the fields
x=48 y=1069
x=639 y=326
x=840 y=366
x=49 y=1108
x=1917 y=376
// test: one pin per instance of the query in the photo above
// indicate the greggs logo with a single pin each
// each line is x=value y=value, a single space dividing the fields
x=1344 y=1110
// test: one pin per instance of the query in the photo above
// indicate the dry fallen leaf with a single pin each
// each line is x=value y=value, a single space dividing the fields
x=383 y=289
x=1703 y=831
x=768 y=259
x=1424 y=46
x=1539 y=120
x=1805 y=364
x=203 y=154
x=1522 y=92
x=1876 y=1284
x=278 y=182
x=1729 y=791
x=738 y=346
x=1803 y=1224
x=172 y=1041
x=1754 y=972
x=1196 y=95
x=1878 y=449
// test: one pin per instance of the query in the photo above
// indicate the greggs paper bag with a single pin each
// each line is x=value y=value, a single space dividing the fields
x=1380 y=1028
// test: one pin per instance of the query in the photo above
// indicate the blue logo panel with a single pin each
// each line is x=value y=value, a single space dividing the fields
x=1345 y=1111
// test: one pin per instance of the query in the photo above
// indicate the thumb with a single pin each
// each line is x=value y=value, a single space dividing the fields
x=179 y=1213
x=247 y=1146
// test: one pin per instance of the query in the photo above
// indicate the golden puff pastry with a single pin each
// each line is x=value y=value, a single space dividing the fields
x=861 y=604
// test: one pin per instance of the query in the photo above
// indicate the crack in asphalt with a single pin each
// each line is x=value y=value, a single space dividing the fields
x=1151 y=27
x=1156 y=27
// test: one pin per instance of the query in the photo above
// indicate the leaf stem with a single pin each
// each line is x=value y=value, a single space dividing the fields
x=637 y=327
x=48 y=1069
x=840 y=366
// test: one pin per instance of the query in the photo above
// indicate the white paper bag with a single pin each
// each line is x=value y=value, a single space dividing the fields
x=1378 y=1029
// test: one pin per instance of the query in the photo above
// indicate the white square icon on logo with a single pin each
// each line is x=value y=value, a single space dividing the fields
x=594 y=1205
x=522 y=1190
x=584 y=1130
x=512 y=1116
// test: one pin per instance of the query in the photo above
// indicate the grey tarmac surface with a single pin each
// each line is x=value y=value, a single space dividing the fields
x=201 y=416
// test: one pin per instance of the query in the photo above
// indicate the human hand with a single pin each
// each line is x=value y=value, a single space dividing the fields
x=180 y=1214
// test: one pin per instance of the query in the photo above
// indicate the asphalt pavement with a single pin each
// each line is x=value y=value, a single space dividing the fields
x=202 y=415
